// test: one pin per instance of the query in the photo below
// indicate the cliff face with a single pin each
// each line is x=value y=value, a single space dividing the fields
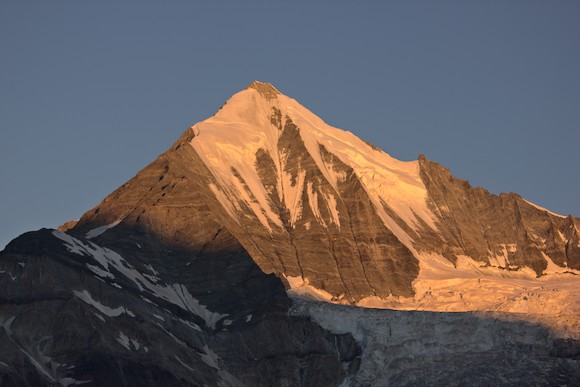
x=505 y=231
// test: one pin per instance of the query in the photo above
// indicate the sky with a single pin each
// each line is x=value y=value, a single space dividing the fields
x=91 y=92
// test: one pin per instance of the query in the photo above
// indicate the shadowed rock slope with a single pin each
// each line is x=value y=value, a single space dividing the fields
x=76 y=312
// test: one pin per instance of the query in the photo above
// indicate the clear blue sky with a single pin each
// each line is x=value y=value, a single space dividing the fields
x=90 y=92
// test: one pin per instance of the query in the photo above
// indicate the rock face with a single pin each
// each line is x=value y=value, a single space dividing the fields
x=181 y=276
x=505 y=230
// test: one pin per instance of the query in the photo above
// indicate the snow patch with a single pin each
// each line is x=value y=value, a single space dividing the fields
x=502 y=260
x=190 y=324
x=99 y=230
x=136 y=344
x=123 y=340
x=100 y=272
x=331 y=202
x=300 y=287
x=128 y=343
x=553 y=268
x=12 y=277
x=209 y=357
x=543 y=209
x=562 y=237
x=313 y=202
x=152 y=278
x=7 y=324
x=186 y=301
x=151 y=269
x=106 y=310
x=184 y=365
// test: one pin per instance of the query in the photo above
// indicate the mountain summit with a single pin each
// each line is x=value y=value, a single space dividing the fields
x=266 y=89
x=182 y=276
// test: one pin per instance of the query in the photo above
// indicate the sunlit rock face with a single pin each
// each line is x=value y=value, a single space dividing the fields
x=505 y=231
x=182 y=275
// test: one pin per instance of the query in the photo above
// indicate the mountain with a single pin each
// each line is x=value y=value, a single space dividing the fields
x=182 y=275
x=329 y=214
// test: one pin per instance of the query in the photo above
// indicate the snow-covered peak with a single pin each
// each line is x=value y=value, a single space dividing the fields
x=251 y=106
x=255 y=118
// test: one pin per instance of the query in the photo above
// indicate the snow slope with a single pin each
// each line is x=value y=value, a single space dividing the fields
x=228 y=143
